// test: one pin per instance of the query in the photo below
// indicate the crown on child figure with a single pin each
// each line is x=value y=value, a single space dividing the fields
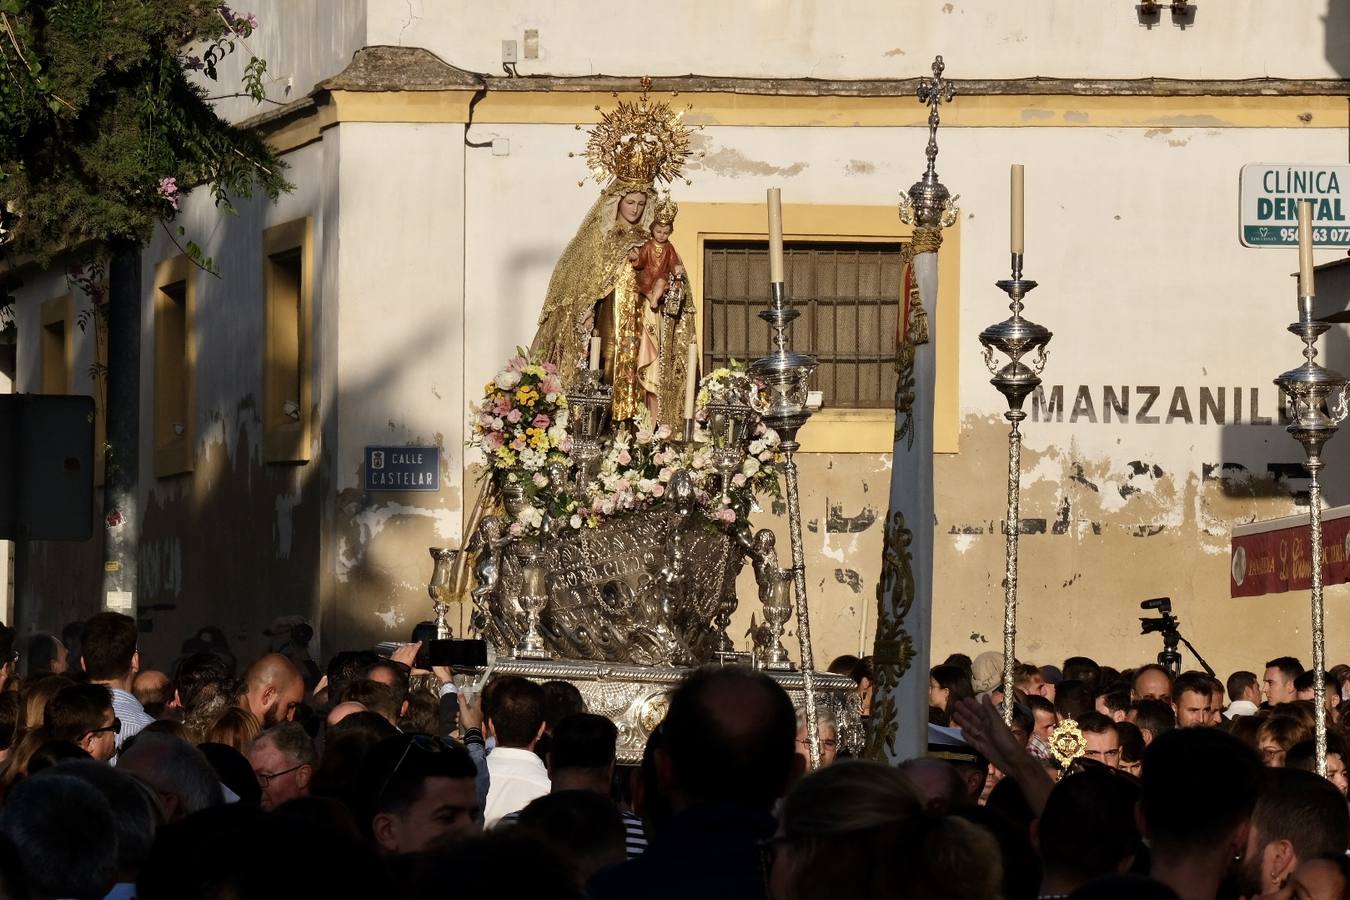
x=666 y=210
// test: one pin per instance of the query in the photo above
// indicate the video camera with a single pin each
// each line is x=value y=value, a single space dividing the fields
x=1166 y=623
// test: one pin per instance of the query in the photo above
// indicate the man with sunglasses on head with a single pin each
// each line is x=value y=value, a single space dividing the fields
x=83 y=715
x=110 y=658
x=419 y=792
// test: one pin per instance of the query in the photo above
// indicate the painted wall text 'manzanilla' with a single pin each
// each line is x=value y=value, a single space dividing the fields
x=1151 y=404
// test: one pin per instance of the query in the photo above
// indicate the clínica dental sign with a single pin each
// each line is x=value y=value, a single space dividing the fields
x=1268 y=204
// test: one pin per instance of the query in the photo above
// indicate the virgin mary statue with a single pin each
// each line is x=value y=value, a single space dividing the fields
x=594 y=288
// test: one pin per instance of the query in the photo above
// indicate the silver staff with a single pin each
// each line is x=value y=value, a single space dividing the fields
x=1014 y=337
x=1317 y=406
x=782 y=377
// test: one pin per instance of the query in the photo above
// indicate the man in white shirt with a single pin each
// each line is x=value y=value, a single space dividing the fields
x=515 y=716
x=1244 y=692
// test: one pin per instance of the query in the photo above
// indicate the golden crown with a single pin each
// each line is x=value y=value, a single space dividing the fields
x=638 y=142
x=666 y=210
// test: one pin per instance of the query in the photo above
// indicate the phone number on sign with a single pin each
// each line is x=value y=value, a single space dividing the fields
x=1318 y=234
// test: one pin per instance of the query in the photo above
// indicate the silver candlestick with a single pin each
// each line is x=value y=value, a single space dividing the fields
x=533 y=599
x=777 y=607
x=590 y=403
x=441 y=588
x=727 y=421
x=1317 y=406
x=1014 y=337
x=782 y=378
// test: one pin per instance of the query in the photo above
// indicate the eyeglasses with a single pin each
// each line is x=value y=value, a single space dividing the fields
x=114 y=728
x=264 y=779
x=424 y=742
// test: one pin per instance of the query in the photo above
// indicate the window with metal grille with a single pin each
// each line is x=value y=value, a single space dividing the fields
x=848 y=295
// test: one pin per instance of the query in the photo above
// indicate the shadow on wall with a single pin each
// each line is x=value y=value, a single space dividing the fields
x=1261 y=461
x=1337 y=30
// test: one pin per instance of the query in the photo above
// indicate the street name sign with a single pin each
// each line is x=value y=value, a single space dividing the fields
x=403 y=469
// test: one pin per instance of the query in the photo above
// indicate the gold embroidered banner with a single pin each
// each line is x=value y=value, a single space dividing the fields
x=1274 y=556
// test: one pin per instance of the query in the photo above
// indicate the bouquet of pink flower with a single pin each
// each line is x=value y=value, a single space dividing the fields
x=521 y=423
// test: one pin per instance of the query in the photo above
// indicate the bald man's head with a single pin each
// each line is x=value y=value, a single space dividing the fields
x=273 y=688
x=729 y=737
x=342 y=711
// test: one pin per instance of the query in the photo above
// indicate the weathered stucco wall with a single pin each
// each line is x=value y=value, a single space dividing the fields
x=879 y=39
x=1145 y=286
x=400 y=376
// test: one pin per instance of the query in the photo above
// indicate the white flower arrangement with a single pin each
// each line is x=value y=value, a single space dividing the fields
x=522 y=426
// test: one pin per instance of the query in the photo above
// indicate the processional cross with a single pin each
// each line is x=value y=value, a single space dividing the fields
x=934 y=91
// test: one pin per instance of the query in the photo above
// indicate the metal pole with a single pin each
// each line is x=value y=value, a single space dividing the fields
x=803 y=617
x=1014 y=527
x=1318 y=622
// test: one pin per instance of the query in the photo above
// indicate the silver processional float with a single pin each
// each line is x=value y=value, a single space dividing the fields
x=606 y=544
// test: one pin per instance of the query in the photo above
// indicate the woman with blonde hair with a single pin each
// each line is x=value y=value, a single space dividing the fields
x=234 y=727
x=35 y=696
x=859 y=829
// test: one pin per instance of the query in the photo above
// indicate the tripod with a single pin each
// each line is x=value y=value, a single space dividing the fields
x=1170 y=658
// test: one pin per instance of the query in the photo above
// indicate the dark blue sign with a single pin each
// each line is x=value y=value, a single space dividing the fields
x=403 y=468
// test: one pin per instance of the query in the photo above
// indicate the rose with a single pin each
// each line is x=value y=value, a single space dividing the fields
x=624 y=458
x=508 y=380
x=658 y=490
x=750 y=467
x=666 y=474
x=540 y=480
x=540 y=421
x=738 y=479
x=575 y=521
x=519 y=443
x=513 y=416
x=498 y=424
x=725 y=514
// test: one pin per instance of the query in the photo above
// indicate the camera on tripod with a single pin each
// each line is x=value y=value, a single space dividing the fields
x=1167 y=625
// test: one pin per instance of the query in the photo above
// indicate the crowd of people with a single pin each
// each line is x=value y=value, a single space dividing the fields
x=372 y=777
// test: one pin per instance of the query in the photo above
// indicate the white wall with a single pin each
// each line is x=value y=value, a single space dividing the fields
x=302 y=41
x=400 y=339
x=878 y=38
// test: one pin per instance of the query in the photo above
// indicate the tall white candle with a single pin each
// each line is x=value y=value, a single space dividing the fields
x=775 y=235
x=1305 y=249
x=595 y=352
x=1017 y=242
x=691 y=381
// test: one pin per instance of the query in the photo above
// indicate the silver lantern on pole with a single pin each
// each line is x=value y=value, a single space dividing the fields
x=1015 y=338
x=1317 y=405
